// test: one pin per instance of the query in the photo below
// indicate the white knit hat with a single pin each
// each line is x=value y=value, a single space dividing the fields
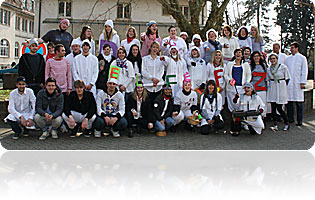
x=211 y=30
x=86 y=41
x=109 y=23
x=76 y=41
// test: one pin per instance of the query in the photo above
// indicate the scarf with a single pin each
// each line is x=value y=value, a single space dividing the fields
x=210 y=98
x=216 y=65
x=121 y=63
x=274 y=70
x=129 y=39
x=242 y=38
x=215 y=44
x=167 y=97
x=107 y=58
x=186 y=93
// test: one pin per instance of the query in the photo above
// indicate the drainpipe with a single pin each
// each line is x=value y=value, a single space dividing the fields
x=39 y=16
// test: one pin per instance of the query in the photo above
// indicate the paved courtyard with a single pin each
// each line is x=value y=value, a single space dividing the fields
x=297 y=138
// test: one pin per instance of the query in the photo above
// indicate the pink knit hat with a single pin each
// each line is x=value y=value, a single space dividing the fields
x=187 y=78
x=65 y=21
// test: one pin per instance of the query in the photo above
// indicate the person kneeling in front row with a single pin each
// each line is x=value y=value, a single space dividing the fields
x=249 y=102
x=21 y=109
x=210 y=107
x=49 y=106
x=80 y=109
x=110 y=110
x=139 y=110
x=162 y=111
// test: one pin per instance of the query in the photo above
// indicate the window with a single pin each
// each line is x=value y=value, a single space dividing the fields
x=64 y=9
x=124 y=10
x=184 y=10
x=32 y=5
x=16 y=50
x=164 y=11
x=17 y=23
x=31 y=27
x=24 y=25
x=25 y=4
x=5 y=17
x=4 y=48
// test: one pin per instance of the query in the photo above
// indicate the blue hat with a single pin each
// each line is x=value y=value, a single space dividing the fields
x=249 y=85
x=20 y=78
x=150 y=23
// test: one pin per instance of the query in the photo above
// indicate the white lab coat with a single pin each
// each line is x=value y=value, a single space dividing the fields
x=208 y=110
x=217 y=74
x=85 y=68
x=297 y=66
x=277 y=90
x=197 y=73
x=233 y=44
x=127 y=76
x=253 y=102
x=21 y=105
x=178 y=68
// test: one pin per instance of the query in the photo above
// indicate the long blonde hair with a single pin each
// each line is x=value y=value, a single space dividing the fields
x=213 y=57
x=257 y=37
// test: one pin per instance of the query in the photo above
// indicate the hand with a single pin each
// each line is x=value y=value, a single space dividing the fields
x=134 y=112
x=210 y=121
x=68 y=92
x=41 y=85
x=122 y=88
x=71 y=121
x=155 y=81
x=48 y=117
x=226 y=46
x=150 y=125
x=220 y=89
x=166 y=43
x=193 y=64
x=162 y=58
x=101 y=67
x=89 y=87
x=29 y=123
x=207 y=49
x=163 y=122
x=113 y=120
x=23 y=121
x=302 y=86
x=107 y=120
x=175 y=114
x=84 y=124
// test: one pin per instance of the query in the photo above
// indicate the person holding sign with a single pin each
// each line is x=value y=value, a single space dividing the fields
x=259 y=74
x=215 y=69
x=85 y=67
x=126 y=78
x=139 y=109
x=236 y=74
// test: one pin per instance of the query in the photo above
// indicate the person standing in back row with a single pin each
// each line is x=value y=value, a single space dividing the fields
x=297 y=66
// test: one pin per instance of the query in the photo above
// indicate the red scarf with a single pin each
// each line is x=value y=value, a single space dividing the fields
x=129 y=39
x=165 y=97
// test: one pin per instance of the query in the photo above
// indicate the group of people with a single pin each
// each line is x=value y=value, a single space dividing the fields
x=154 y=84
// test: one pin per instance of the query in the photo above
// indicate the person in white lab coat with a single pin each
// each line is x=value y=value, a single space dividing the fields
x=21 y=109
x=276 y=50
x=229 y=43
x=173 y=40
x=131 y=39
x=249 y=101
x=238 y=73
x=278 y=78
x=297 y=65
x=176 y=65
x=85 y=67
x=196 y=67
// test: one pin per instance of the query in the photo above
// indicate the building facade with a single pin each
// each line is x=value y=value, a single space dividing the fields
x=16 y=25
x=86 y=12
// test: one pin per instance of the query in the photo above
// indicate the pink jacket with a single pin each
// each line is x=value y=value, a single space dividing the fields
x=61 y=71
x=146 y=44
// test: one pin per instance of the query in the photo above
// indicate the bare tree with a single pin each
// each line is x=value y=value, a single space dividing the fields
x=192 y=25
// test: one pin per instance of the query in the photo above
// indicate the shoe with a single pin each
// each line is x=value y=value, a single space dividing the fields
x=63 y=128
x=15 y=136
x=299 y=124
x=161 y=133
x=130 y=133
x=44 y=135
x=245 y=127
x=173 y=129
x=274 y=128
x=189 y=127
x=73 y=134
x=54 y=134
x=291 y=121
x=115 y=133
x=26 y=133
x=286 y=127
x=97 y=134
x=86 y=133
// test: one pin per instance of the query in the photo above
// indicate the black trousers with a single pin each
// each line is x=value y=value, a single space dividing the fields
x=274 y=108
x=143 y=123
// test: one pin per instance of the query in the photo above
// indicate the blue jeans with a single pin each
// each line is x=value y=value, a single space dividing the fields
x=299 y=111
x=120 y=125
x=168 y=123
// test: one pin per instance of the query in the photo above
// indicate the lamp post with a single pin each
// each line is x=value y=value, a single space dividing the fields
x=301 y=3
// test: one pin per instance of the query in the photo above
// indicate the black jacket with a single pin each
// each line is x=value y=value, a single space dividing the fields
x=146 y=108
x=25 y=70
x=86 y=105
x=55 y=103
x=103 y=75
x=158 y=107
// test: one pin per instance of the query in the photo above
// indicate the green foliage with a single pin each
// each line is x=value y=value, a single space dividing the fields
x=4 y=95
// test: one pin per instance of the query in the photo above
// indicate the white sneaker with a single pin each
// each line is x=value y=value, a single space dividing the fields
x=54 y=134
x=275 y=128
x=63 y=128
x=115 y=133
x=97 y=134
x=286 y=127
x=44 y=135
x=246 y=127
